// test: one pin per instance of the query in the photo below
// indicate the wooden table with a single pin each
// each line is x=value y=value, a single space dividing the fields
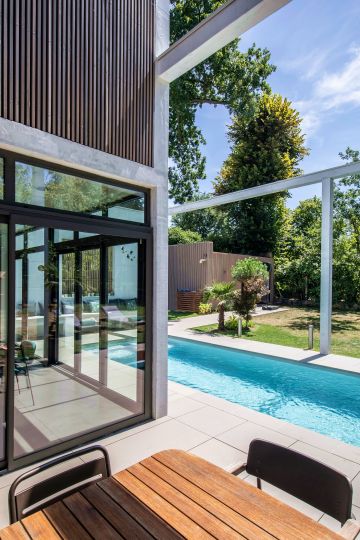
x=167 y=496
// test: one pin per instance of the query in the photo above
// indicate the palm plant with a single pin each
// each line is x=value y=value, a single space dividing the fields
x=221 y=292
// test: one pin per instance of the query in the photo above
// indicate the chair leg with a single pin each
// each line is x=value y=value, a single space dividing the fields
x=17 y=381
x=29 y=382
x=258 y=483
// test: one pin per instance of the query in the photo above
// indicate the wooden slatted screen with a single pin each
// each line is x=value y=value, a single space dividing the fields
x=82 y=70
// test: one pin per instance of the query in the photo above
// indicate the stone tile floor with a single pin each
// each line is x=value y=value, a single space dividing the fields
x=220 y=432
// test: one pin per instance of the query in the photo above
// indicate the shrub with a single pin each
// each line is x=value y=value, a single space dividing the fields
x=204 y=309
x=221 y=292
x=231 y=323
x=179 y=236
x=252 y=275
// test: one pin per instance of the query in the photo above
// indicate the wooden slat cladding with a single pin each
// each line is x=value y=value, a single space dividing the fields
x=82 y=70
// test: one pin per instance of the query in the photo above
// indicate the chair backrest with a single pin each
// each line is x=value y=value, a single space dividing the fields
x=301 y=476
x=49 y=489
x=28 y=349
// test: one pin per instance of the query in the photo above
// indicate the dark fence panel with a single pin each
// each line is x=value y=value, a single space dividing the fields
x=82 y=70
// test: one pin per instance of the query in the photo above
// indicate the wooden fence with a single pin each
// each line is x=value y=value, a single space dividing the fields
x=194 y=266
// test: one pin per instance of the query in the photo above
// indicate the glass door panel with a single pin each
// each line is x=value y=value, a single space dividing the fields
x=66 y=309
x=3 y=332
x=90 y=313
x=124 y=312
x=79 y=333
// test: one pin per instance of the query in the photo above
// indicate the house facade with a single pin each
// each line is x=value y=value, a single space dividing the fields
x=83 y=221
x=84 y=106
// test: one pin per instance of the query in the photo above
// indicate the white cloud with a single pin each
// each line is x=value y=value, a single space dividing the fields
x=343 y=87
x=331 y=93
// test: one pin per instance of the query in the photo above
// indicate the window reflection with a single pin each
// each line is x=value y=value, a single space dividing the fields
x=80 y=331
x=57 y=190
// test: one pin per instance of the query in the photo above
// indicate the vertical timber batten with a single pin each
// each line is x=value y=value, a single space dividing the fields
x=66 y=67
x=326 y=265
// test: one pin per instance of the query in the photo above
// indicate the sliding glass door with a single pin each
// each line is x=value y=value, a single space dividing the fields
x=3 y=337
x=80 y=354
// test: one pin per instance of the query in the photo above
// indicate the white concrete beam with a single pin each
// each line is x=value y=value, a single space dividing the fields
x=326 y=265
x=268 y=189
x=223 y=26
x=32 y=142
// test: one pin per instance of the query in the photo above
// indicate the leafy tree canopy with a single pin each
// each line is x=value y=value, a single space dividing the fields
x=266 y=146
x=230 y=78
x=179 y=236
x=249 y=268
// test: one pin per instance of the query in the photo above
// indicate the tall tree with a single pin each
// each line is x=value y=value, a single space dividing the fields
x=229 y=77
x=266 y=146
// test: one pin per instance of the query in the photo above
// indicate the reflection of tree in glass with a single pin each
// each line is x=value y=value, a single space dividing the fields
x=68 y=192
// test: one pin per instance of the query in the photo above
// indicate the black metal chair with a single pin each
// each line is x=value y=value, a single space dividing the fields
x=301 y=476
x=34 y=497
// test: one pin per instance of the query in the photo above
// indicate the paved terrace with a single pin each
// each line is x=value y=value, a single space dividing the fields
x=220 y=431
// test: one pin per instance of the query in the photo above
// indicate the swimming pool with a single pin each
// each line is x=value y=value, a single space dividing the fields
x=321 y=399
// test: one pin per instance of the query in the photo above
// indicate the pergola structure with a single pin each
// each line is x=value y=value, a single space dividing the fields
x=326 y=179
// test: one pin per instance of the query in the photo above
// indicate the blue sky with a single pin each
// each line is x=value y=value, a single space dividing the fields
x=315 y=45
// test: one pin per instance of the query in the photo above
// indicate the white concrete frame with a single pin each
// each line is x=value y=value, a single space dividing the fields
x=326 y=178
x=227 y=23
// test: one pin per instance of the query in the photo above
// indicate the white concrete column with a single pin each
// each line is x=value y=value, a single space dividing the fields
x=326 y=265
x=159 y=212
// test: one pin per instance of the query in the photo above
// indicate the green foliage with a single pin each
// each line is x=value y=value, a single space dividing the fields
x=205 y=308
x=249 y=268
x=252 y=275
x=229 y=77
x=222 y=293
x=231 y=323
x=298 y=265
x=179 y=236
x=266 y=146
x=205 y=222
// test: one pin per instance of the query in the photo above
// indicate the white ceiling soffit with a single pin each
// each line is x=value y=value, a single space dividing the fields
x=224 y=25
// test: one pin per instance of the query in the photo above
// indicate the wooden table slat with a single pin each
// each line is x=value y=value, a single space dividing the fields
x=223 y=513
x=90 y=518
x=64 y=522
x=161 y=507
x=156 y=526
x=279 y=519
x=39 y=527
x=184 y=504
x=170 y=496
x=117 y=516
x=14 y=532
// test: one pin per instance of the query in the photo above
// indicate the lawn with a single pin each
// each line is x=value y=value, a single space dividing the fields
x=291 y=328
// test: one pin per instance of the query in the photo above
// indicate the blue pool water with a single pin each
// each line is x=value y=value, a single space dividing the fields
x=321 y=399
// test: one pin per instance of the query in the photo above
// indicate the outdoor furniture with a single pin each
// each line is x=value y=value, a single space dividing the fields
x=36 y=495
x=26 y=354
x=301 y=476
x=171 y=495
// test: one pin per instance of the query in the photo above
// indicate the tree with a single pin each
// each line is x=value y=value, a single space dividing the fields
x=347 y=197
x=229 y=78
x=267 y=146
x=252 y=276
x=204 y=222
x=222 y=292
x=298 y=265
x=179 y=236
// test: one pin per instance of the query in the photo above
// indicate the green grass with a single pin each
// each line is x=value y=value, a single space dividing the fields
x=290 y=328
x=178 y=315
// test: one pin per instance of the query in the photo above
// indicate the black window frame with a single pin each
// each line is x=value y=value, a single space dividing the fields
x=11 y=158
x=12 y=213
